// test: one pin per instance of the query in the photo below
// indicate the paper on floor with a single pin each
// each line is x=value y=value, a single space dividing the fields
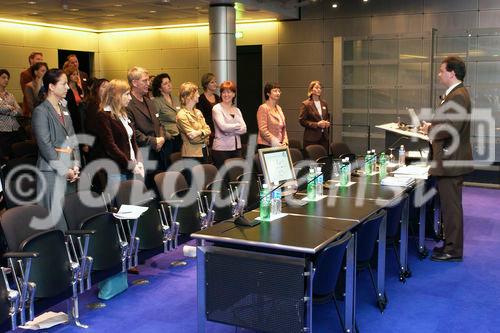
x=46 y=320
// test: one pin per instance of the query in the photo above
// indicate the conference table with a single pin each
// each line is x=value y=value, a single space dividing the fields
x=301 y=234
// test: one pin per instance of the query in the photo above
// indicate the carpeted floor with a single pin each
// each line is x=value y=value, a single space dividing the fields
x=439 y=297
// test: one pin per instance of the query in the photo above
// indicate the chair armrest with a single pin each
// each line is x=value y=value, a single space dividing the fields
x=80 y=232
x=20 y=255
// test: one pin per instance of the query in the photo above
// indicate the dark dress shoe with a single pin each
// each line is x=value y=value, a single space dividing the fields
x=443 y=256
x=438 y=249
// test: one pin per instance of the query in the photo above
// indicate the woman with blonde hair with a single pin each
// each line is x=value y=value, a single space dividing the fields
x=314 y=117
x=194 y=130
x=116 y=133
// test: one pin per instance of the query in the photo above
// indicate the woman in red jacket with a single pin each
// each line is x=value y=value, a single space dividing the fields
x=116 y=134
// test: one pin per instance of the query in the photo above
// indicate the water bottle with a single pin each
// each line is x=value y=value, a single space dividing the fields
x=311 y=185
x=368 y=162
x=265 y=203
x=374 y=160
x=276 y=200
x=402 y=155
x=344 y=172
x=382 y=165
x=319 y=182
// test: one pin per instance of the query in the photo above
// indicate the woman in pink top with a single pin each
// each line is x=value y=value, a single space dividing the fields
x=228 y=125
x=271 y=120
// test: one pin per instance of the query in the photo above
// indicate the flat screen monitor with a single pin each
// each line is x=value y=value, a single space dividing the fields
x=276 y=165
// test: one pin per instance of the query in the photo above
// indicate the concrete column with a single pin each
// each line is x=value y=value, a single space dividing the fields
x=222 y=26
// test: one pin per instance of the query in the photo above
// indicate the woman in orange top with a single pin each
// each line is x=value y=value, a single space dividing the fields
x=271 y=120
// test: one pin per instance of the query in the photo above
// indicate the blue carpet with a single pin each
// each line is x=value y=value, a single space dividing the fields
x=439 y=297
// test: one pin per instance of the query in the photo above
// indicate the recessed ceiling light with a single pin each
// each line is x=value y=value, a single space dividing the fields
x=365 y=0
x=31 y=2
x=118 y=5
x=74 y=9
x=110 y=15
x=335 y=5
x=34 y=13
x=197 y=7
x=152 y=11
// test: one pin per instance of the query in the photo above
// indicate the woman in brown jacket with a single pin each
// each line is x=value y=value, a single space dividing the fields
x=314 y=117
x=116 y=134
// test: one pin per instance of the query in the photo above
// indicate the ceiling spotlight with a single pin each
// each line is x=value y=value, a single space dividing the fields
x=74 y=9
x=365 y=0
x=34 y=13
x=31 y=2
x=118 y=5
x=335 y=5
x=152 y=11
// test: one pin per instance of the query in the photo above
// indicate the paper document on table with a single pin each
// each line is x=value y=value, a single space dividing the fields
x=419 y=172
x=46 y=320
x=129 y=212
x=397 y=181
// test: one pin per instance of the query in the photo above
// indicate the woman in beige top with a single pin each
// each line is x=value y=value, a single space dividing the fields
x=167 y=107
x=32 y=91
x=191 y=123
x=271 y=120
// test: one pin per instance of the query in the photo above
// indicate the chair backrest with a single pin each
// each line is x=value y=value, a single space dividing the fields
x=16 y=224
x=296 y=144
x=314 y=152
x=50 y=271
x=202 y=175
x=188 y=216
x=4 y=298
x=328 y=266
x=296 y=155
x=234 y=168
x=326 y=166
x=168 y=182
x=25 y=149
x=256 y=162
x=76 y=211
x=174 y=157
x=394 y=215
x=367 y=237
x=131 y=192
x=339 y=148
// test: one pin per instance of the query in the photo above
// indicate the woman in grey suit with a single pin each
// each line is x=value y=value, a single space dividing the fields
x=58 y=156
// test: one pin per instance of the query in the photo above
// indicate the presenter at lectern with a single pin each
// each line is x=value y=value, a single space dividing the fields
x=451 y=153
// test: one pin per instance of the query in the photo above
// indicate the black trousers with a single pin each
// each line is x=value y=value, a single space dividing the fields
x=450 y=196
x=219 y=156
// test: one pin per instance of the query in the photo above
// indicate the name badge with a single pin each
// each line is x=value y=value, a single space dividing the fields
x=157 y=115
x=65 y=113
x=324 y=107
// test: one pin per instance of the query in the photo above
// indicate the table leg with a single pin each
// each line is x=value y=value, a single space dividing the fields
x=404 y=271
x=381 y=297
x=200 y=287
x=350 y=285
x=309 y=297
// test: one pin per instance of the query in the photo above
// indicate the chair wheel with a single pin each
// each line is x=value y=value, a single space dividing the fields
x=423 y=254
x=382 y=303
x=402 y=278
x=407 y=274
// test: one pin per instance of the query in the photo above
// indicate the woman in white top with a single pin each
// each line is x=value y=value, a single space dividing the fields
x=228 y=126
x=116 y=134
x=314 y=117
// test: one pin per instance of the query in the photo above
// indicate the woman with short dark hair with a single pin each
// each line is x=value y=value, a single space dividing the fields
x=271 y=120
x=209 y=98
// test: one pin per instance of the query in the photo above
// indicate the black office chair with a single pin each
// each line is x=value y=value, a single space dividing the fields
x=147 y=232
x=256 y=163
x=328 y=266
x=188 y=215
x=108 y=246
x=367 y=239
x=25 y=149
x=296 y=155
x=255 y=184
x=313 y=152
x=202 y=175
x=19 y=181
x=219 y=191
x=174 y=157
x=55 y=273
x=296 y=144
x=339 y=148
x=169 y=182
x=234 y=168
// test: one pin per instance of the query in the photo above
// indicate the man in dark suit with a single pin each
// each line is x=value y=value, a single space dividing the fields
x=451 y=155
x=83 y=78
x=144 y=116
x=314 y=117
